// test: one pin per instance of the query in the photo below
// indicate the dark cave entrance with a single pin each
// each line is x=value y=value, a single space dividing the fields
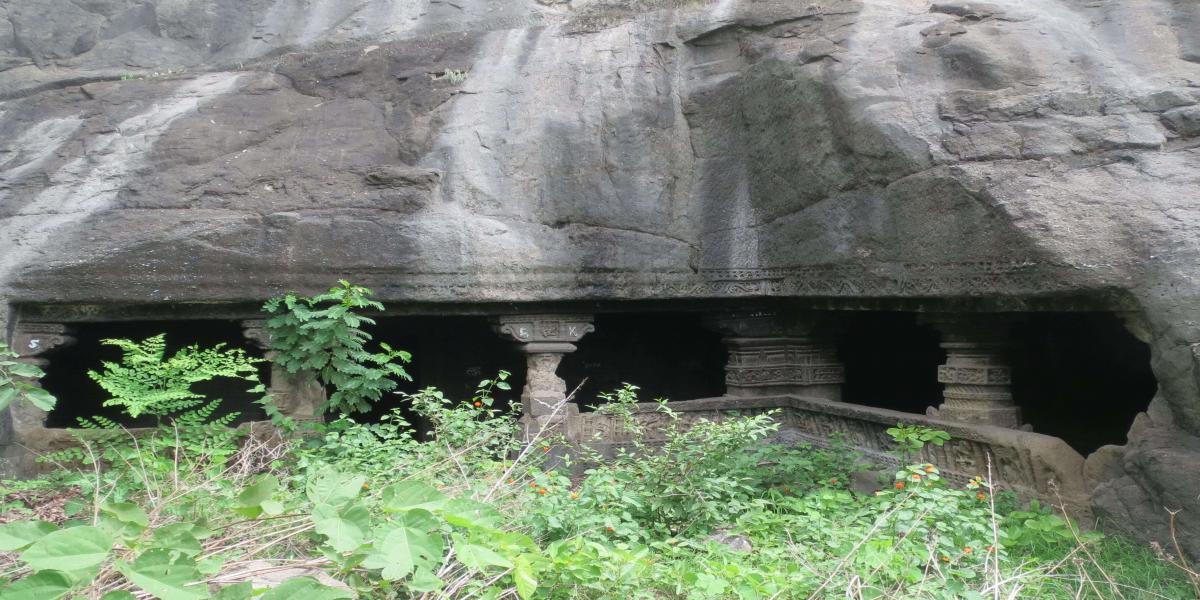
x=79 y=396
x=891 y=361
x=670 y=356
x=451 y=353
x=1081 y=377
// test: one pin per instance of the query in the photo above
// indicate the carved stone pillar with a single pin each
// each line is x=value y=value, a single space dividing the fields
x=772 y=354
x=976 y=376
x=298 y=395
x=33 y=341
x=545 y=339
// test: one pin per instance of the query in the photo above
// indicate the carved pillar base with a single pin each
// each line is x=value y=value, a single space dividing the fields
x=772 y=355
x=976 y=377
x=297 y=395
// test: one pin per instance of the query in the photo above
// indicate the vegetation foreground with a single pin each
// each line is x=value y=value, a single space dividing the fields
x=194 y=509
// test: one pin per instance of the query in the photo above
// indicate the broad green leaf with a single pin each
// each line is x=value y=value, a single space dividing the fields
x=118 y=595
x=69 y=549
x=305 y=588
x=43 y=585
x=126 y=512
x=177 y=537
x=424 y=580
x=7 y=393
x=260 y=492
x=345 y=529
x=333 y=488
x=399 y=553
x=525 y=577
x=463 y=512
x=408 y=495
x=237 y=591
x=18 y=534
x=26 y=370
x=155 y=572
x=41 y=398
x=272 y=508
x=480 y=557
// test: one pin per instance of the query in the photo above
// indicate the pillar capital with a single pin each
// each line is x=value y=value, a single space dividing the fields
x=545 y=328
x=34 y=340
x=255 y=331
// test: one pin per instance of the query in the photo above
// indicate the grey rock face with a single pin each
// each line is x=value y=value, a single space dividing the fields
x=225 y=150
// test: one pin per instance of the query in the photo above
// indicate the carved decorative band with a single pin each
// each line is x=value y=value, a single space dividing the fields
x=980 y=375
x=785 y=375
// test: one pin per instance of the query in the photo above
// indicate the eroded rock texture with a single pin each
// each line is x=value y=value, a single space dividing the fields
x=223 y=150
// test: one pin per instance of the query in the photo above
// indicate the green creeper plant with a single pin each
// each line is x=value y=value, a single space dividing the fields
x=16 y=382
x=324 y=334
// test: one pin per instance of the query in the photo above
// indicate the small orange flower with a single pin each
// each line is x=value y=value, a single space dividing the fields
x=930 y=468
x=609 y=529
x=981 y=496
x=899 y=485
x=968 y=550
x=478 y=404
x=545 y=448
x=833 y=481
x=542 y=491
x=532 y=484
x=574 y=496
x=510 y=481
x=945 y=558
x=990 y=548
x=366 y=486
x=915 y=477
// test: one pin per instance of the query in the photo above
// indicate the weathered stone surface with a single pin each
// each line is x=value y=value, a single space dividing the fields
x=224 y=150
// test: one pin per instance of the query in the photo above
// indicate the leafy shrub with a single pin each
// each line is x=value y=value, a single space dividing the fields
x=324 y=334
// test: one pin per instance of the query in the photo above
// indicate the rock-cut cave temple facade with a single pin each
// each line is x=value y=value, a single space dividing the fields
x=981 y=217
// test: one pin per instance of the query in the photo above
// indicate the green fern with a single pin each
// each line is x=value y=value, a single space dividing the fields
x=146 y=382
